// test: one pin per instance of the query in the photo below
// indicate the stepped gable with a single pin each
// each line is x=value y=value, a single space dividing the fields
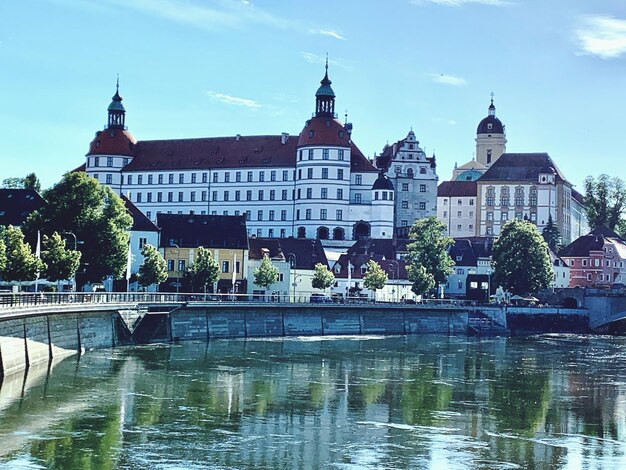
x=214 y=153
x=209 y=231
x=141 y=223
x=522 y=167
x=457 y=189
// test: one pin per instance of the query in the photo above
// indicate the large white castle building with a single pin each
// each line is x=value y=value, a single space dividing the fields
x=317 y=184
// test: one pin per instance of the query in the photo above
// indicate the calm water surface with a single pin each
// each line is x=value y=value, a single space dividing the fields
x=432 y=402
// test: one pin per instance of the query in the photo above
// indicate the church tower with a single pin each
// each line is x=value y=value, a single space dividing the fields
x=112 y=149
x=490 y=138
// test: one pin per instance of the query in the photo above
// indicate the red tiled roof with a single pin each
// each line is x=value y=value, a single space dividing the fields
x=358 y=161
x=112 y=142
x=322 y=130
x=457 y=189
x=214 y=153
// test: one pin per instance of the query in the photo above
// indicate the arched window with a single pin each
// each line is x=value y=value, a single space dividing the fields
x=338 y=233
x=409 y=172
x=361 y=230
x=322 y=233
x=301 y=232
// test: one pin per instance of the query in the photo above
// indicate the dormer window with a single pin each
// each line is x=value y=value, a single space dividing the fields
x=489 y=126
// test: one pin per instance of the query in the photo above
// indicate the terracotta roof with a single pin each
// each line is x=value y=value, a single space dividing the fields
x=112 y=142
x=521 y=167
x=307 y=252
x=321 y=130
x=213 y=153
x=457 y=189
x=17 y=204
x=209 y=231
x=358 y=161
x=593 y=241
x=141 y=223
x=258 y=245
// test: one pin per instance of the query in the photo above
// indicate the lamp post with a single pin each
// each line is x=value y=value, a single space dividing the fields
x=292 y=263
x=397 y=276
x=75 y=249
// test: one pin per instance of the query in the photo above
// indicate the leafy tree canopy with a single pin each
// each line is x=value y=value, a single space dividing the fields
x=520 y=259
x=604 y=201
x=3 y=250
x=428 y=261
x=322 y=277
x=375 y=278
x=153 y=270
x=21 y=263
x=204 y=271
x=551 y=234
x=61 y=263
x=95 y=214
x=30 y=181
x=266 y=274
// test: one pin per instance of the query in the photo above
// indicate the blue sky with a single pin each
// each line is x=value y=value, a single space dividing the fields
x=202 y=68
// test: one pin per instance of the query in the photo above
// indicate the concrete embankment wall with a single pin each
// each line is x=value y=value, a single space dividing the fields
x=27 y=339
x=233 y=321
x=525 y=320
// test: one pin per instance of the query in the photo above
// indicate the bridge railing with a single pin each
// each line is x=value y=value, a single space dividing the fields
x=30 y=299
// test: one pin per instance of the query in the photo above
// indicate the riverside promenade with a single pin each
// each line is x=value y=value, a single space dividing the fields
x=40 y=327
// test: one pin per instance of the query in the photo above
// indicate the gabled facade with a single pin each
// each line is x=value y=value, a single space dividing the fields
x=414 y=177
x=225 y=236
x=317 y=184
x=597 y=259
x=259 y=247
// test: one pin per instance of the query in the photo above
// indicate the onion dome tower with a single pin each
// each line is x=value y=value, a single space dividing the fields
x=112 y=148
x=323 y=164
x=490 y=138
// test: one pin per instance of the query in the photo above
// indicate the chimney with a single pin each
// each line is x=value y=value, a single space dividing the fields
x=237 y=137
x=395 y=147
x=283 y=138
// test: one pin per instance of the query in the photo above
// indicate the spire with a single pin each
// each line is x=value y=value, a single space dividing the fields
x=116 y=109
x=492 y=108
x=325 y=96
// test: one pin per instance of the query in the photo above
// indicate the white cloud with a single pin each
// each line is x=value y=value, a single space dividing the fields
x=602 y=36
x=318 y=59
x=447 y=79
x=234 y=100
x=457 y=3
x=209 y=15
x=327 y=32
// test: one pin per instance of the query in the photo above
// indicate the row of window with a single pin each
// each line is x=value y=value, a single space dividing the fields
x=339 y=153
x=459 y=202
x=409 y=171
x=323 y=174
x=504 y=216
x=109 y=162
x=459 y=214
x=470 y=227
x=182 y=264
x=595 y=263
x=323 y=214
x=505 y=201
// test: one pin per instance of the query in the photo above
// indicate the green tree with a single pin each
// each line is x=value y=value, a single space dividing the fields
x=604 y=201
x=30 y=181
x=266 y=274
x=21 y=263
x=13 y=183
x=428 y=261
x=153 y=270
x=551 y=234
x=375 y=278
x=61 y=263
x=96 y=215
x=520 y=259
x=322 y=277
x=204 y=271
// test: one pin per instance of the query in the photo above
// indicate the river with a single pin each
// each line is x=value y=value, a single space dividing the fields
x=423 y=402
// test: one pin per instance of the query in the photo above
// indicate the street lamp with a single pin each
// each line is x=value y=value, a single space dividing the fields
x=75 y=249
x=292 y=264
x=397 y=276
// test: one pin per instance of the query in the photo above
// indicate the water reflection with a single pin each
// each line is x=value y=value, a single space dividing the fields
x=417 y=402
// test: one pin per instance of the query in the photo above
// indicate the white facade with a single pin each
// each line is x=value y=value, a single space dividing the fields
x=458 y=214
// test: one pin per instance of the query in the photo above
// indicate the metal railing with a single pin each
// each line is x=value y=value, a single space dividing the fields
x=30 y=299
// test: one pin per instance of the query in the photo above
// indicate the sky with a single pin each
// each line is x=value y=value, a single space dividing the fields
x=209 y=68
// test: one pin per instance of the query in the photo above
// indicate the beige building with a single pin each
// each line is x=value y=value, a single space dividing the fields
x=456 y=207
